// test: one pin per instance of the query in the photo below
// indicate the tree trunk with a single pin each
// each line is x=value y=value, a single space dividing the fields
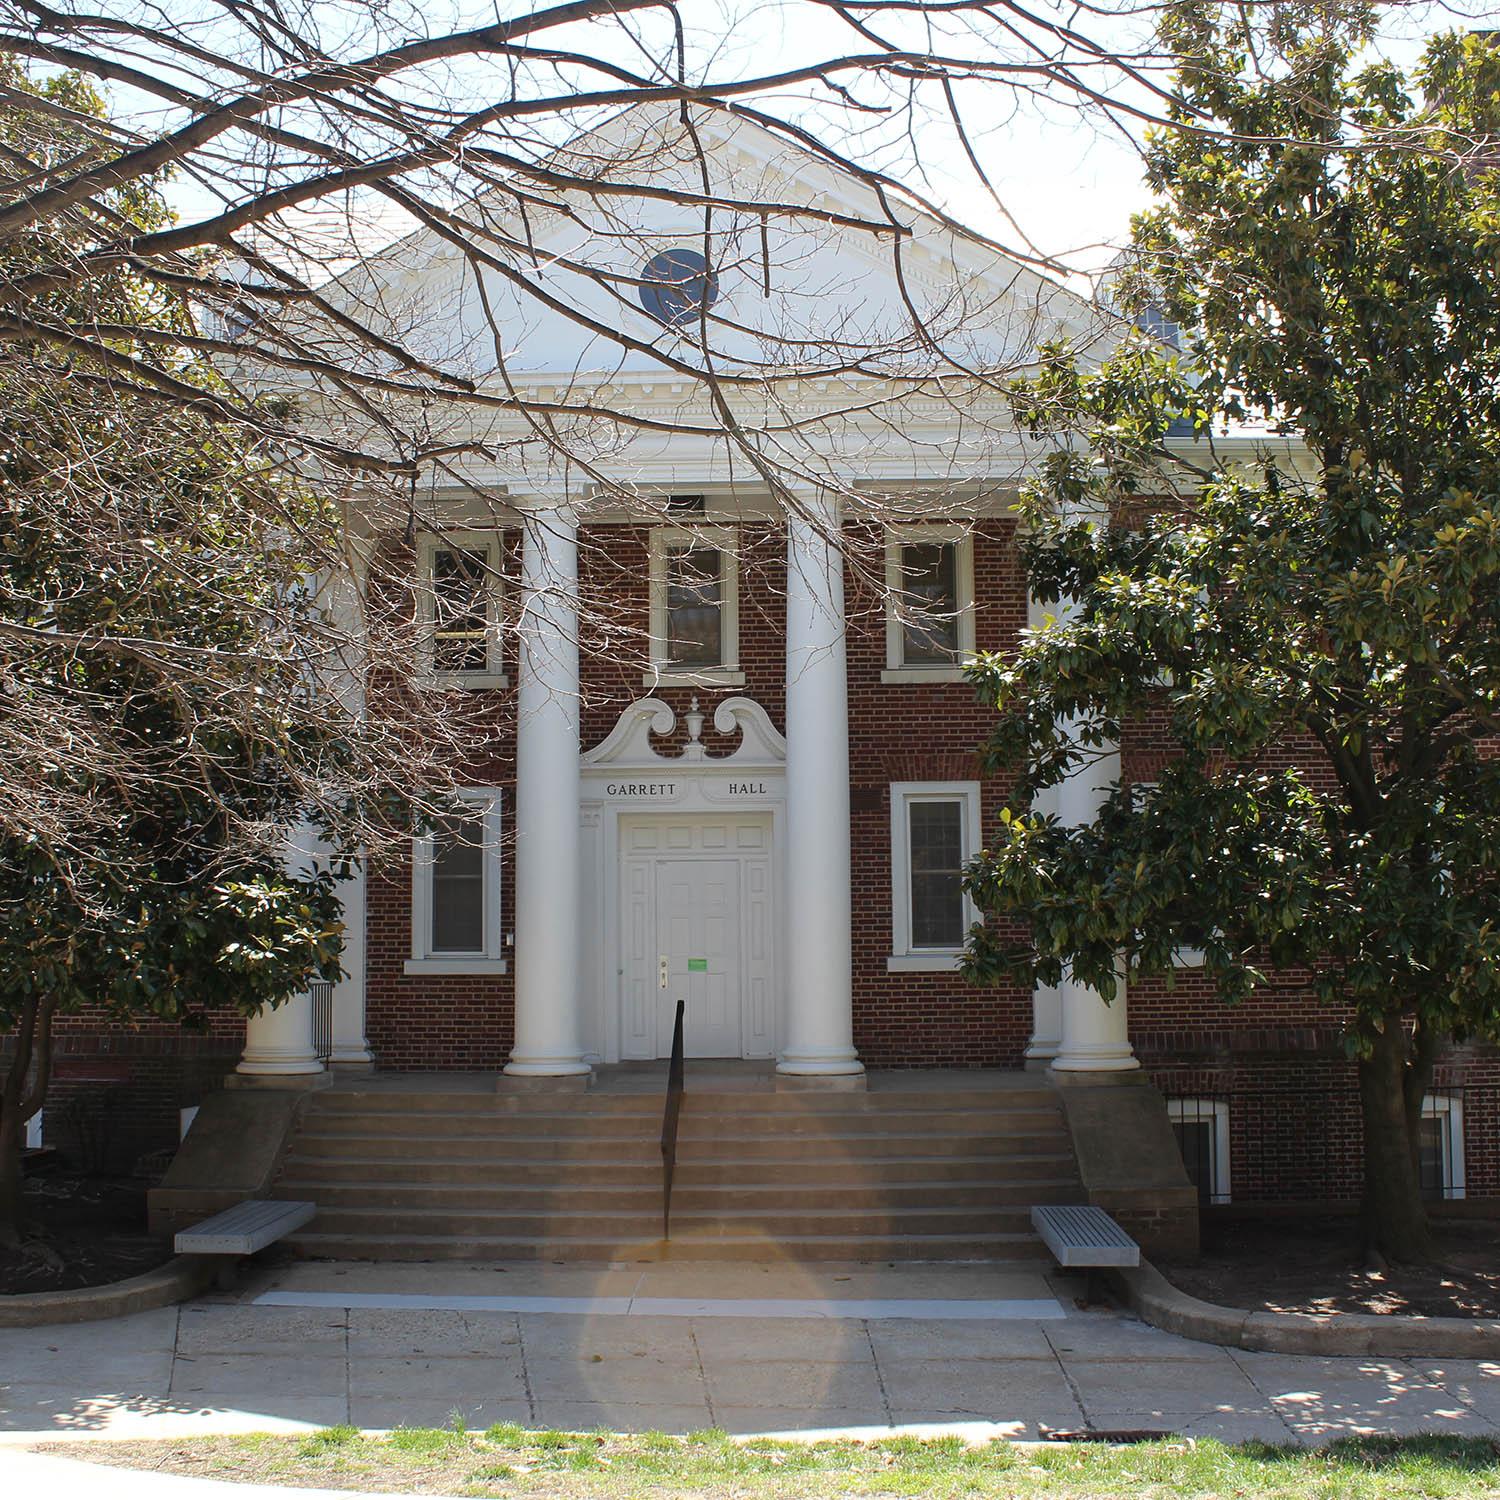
x=12 y=1134
x=1395 y=1215
x=22 y=1091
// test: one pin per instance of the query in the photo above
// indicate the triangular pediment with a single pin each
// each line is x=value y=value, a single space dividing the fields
x=806 y=290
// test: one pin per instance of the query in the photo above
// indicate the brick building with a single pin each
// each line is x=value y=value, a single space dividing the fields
x=734 y=762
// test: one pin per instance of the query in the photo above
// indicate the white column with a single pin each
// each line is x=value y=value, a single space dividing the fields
x=1095 y=1038
x=279 y=1039
x=1046 y=999
x=548 y=1027
x=819 y=1038
x=345 y=611
x=351 y=1049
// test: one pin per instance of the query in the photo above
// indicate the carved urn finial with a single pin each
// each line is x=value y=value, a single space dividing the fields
x=694 y=721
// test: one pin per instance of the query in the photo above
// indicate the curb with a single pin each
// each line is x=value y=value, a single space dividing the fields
x=182 y=1277
x=1395 y=1336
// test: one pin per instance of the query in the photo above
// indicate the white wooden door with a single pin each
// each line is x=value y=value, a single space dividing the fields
x=698 y=955
x=697 y=922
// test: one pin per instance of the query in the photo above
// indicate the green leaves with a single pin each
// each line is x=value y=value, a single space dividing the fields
x=1315 y=636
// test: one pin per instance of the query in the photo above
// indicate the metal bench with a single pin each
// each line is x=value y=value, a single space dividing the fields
x=1086 y=1239
x=242 y=1230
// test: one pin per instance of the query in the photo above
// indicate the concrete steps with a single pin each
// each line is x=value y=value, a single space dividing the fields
x=314 y=1168
x=1008 y=1247
x=433 y=1173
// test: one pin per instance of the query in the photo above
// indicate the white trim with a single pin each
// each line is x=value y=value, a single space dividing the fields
x=491 y=959
x=455 y=965
x=905 y=957
x=707 y=677
x=922 y=674
x=923 y=962
x=1198 y=1112
x=1450 y=1111
x=668 y=539
x=428 y=546
x=962 y=539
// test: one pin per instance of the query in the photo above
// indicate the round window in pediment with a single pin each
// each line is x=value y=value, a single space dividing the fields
x=677 y=286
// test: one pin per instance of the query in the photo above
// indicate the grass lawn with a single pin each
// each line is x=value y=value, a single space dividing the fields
x=508 y=1460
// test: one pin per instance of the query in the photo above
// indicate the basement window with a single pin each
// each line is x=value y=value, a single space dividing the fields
x=1440 y=1147
x=455 y=890
x=1202 y=1130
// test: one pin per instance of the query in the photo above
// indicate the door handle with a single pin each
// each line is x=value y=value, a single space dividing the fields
x=663 y=967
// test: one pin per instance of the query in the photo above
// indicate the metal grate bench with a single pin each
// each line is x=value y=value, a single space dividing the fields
x=1084 y=1237
x=243 y=1229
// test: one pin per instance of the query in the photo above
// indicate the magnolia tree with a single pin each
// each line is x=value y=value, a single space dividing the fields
x=170 y=698
x=1319 y=635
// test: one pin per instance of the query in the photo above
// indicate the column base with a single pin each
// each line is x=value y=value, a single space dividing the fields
x=839 y=1065
x=1103 y=1067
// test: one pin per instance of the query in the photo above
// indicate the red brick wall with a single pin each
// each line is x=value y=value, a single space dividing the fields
x=1278 y=1060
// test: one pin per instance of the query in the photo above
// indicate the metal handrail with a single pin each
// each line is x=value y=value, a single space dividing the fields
x=669 y=1124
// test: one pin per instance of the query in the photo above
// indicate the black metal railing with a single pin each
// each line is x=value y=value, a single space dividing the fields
x=320 y=991
x=669 y=1124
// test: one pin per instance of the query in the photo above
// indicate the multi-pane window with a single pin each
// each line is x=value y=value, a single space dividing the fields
x=694 y=605
x=930 y=613
x=1202 y=1130
x=1440 y=1147
x=935 y=843
x=458 y=883
x=456 y=890
x=460 y=608
x=934 y=833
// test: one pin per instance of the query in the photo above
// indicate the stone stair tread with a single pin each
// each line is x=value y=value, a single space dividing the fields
x=683 y=1183
x=998 y=1246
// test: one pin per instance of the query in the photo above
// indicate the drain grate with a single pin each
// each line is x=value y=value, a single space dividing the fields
x=1105 y=1435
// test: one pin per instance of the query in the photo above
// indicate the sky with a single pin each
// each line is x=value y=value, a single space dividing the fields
x=1068 y=180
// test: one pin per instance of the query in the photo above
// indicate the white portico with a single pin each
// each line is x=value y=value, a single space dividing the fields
x=682 y=877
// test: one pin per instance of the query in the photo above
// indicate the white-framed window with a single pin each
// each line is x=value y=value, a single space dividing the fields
x=934 y=834
x=458 y=601
x=695 y=607
x=34 y=1132
x=1202 y=1130
x=455 y=890
x=1440 y=1147
x=929 y=621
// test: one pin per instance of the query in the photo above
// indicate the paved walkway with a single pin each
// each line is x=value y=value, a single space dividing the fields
x=681 y=1347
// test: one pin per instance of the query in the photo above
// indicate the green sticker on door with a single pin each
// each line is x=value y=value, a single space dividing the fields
x=697 y=966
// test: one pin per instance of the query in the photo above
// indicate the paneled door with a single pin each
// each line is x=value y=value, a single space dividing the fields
x=698 y=955
x=697 y=924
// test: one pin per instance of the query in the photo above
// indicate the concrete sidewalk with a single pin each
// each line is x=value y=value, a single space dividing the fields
x=223 y=1364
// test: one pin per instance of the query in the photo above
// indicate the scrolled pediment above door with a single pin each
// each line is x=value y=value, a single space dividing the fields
x=629 y=745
